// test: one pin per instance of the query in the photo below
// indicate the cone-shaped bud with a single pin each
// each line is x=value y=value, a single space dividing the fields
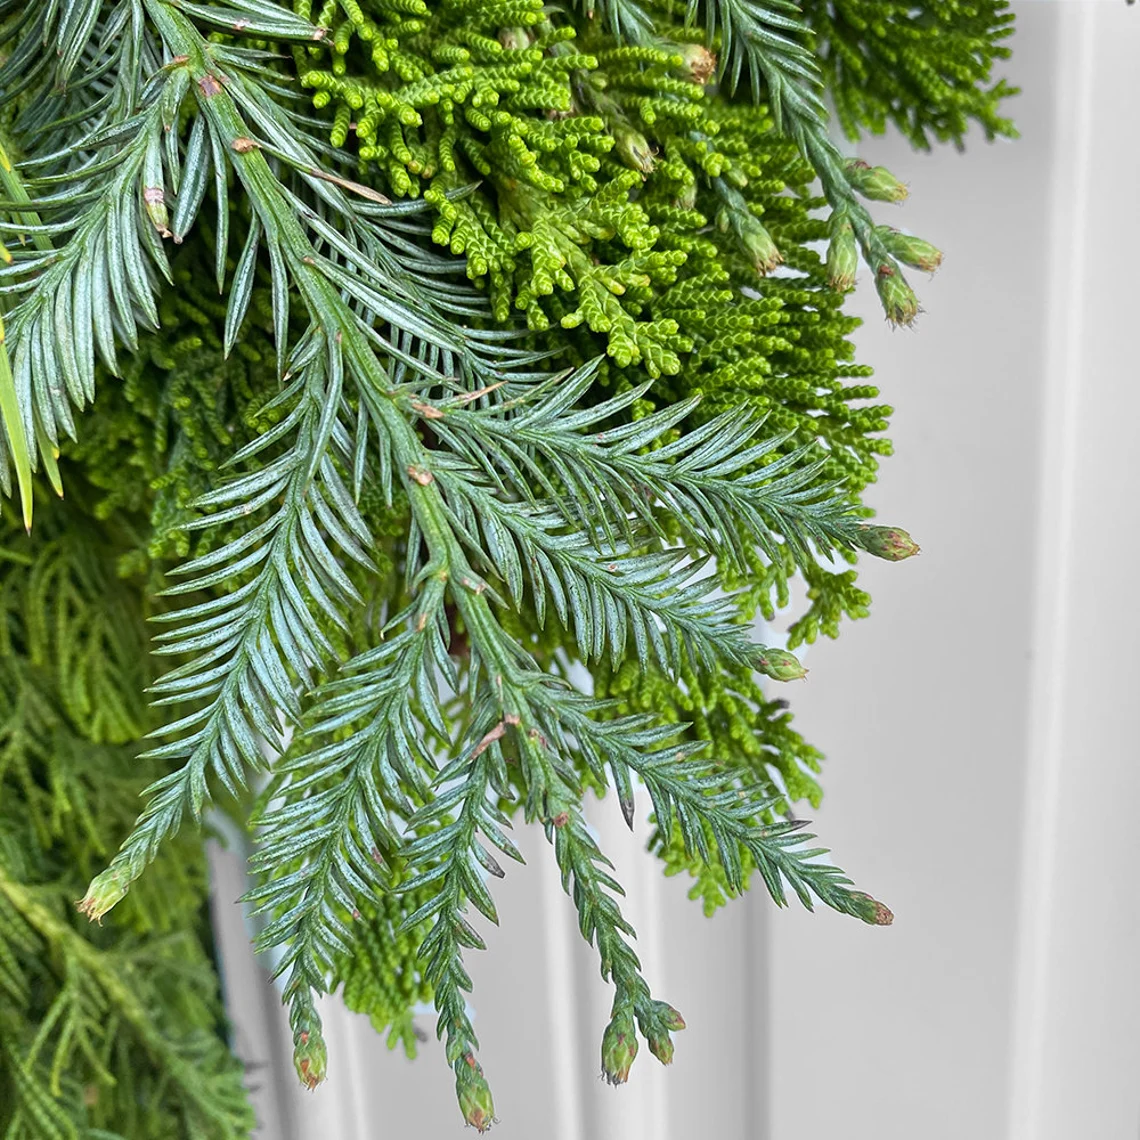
x=871 y=911
x=760 y=247
x=514 y=39
x=668 y=1016
x=780 y=665
x=875 y=182
x=310 y=1057
x=889 y=542
x=619 y=1048
x=686 y=197
x=627 y=808
x=154 y=200
x=897 y=297
x=474 y=1095
x=105 y=891
x=661 y=1046
x=633 y=148
x=910 y=250
x=842 y=253
x=698 y=63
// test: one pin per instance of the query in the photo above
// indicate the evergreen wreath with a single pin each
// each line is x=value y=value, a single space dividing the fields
x=434 y=350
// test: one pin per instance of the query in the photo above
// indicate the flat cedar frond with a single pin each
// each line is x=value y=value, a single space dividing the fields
x=399 y=358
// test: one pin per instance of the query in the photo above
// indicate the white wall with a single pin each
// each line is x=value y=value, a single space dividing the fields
x=980 y=727
x=981 y=724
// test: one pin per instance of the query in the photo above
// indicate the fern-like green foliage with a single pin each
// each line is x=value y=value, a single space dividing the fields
x=878 y=69
x=398 y=359
x=105 y=1031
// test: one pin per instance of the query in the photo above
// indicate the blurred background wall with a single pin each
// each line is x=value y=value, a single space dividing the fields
x=984 y=756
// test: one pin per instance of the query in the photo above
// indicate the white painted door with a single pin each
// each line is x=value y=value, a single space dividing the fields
x=984 y=772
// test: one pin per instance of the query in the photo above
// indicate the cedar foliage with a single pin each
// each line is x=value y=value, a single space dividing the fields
x=399 y=359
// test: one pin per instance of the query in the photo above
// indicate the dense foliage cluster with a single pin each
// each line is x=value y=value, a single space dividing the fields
x=397 y=359
x=113 y=1030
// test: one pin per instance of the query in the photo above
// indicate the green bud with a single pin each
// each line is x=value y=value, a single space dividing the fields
x=661 y=1046
x=619 y=1048
x=310 y=1057
x=910 y=250
x=897 y=297
x=474 y=1095
x=633 y=148
x=780 y=665
x=889 y=542
x=105 y=891
x=686 y=197
x=760 y=247
x=875 y=182
x=154 y=200
x=657 y=1026
x=668 y=1016
x=871 y=911
x=735 y=216
x=698 y=63
x=514 y=39
x=842 y=253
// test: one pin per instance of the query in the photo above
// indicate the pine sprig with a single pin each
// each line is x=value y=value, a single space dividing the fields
x=586 y=878
x=452 y=858
x=244 y=648
x=713 y=481
x=697 y=793
x=704 y=478
x=606 y=595
x=89 y=266
x=94 y=282
x=236 y=641
x=330 y=802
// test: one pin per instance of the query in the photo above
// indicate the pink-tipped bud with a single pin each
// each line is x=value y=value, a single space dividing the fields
x=661 y=1046
x=780 y=665
x=897 y=297
x=889 y=542
x=875 y=182
x=668 y=1016
x=105 y=891
x=310 y=1057
x=910 y=250
x=661 y=1021
x=619 y=1049
x=154 y=201
x=474 y=1095
x=871 y=911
